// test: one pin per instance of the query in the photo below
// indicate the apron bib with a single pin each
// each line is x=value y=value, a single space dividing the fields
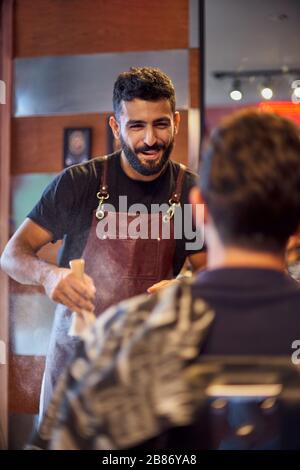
x=121 y=267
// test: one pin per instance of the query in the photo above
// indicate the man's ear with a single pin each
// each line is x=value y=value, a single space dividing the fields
x=115 y=127
x=199 y=207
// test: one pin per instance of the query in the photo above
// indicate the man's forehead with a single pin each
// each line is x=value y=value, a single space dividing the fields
x=144 y=110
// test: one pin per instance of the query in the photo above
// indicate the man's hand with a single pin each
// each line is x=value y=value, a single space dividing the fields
x=162 y=285
x=20 y=261
x=63 y=287
x=198 y=261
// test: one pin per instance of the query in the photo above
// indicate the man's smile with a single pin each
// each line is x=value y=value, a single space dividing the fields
x=150 y=154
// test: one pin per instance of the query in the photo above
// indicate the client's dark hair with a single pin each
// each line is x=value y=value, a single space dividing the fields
x=250 y=179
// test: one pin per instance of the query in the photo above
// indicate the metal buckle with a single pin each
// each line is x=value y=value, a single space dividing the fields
x=171 y=211
x=100 y=211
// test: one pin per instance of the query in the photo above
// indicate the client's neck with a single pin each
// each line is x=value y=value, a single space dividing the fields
x=234 y=256
x=238 y=257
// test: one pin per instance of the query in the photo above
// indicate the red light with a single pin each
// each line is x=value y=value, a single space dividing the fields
x=284 y=108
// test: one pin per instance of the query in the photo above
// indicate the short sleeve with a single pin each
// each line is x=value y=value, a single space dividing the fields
x=53 y=210
x=191 y=240
x=193 y=236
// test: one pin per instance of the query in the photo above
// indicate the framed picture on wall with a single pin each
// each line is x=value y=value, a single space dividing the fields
x=77 y=145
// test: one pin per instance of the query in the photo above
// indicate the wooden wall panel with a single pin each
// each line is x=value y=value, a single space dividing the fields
x=37 y=143
x=56 y=27
x=180 y=152
x=25 y=379
x=6 y=52
x=194 y=77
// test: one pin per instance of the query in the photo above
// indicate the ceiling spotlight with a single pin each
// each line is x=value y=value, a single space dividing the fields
x=266 y=80
x=296 y=89
x=266 y=91
x=236 y=94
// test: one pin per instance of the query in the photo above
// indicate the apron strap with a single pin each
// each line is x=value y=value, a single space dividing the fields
x=103 y=191
x=176 y=195
x=102 y=194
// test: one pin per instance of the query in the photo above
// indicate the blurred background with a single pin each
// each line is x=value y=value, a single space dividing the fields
x=251 y=57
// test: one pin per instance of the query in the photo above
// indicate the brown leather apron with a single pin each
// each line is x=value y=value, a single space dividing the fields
x=121 y=267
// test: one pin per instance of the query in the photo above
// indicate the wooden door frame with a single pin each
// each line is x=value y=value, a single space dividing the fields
x=6 y=57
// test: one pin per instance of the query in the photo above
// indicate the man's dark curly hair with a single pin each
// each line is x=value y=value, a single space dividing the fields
x=145 y=83
x=250 y=179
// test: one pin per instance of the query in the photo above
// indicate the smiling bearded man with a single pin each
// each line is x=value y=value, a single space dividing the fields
x=146 y=122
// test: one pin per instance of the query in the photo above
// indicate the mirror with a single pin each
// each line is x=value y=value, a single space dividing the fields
x=64 y=70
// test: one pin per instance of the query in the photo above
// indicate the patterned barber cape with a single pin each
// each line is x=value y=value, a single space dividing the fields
x=128 y=383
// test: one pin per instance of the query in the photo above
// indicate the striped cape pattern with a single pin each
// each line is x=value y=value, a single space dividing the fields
x=128 y=382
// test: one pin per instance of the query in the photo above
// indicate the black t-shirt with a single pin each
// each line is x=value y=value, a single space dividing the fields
x=257 y=311
x=67 y=204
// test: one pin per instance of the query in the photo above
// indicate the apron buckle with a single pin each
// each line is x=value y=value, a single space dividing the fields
x=171 y=211
x=100 y=210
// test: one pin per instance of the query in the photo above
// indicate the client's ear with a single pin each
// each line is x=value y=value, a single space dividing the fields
x=198 y=206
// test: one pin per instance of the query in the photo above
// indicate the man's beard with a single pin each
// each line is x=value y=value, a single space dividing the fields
x=149 y=167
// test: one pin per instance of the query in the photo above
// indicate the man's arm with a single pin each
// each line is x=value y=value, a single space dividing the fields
x=20 y=261
x=198 y=261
